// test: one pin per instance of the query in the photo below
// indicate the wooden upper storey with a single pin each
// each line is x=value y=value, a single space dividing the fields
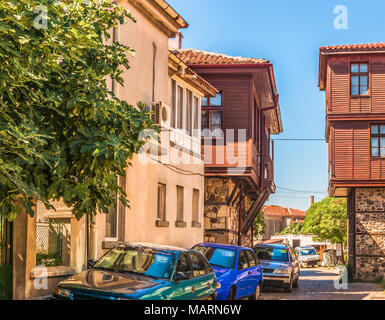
x=342 y=70
x=248 y=101
x=353 y=78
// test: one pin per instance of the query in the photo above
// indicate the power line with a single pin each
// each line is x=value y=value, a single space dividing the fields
x=301 y=191
x=300 y=139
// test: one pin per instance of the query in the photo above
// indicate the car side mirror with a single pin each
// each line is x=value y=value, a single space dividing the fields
x=91 y=263
x=180 y=276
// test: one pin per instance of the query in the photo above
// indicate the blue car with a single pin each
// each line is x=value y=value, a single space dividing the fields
x=238 y=271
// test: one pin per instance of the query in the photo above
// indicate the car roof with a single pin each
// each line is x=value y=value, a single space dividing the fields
x=221 y=246
x=278 y=246
x=154 y=246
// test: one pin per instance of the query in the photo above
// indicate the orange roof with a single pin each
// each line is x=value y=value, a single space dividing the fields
x=272 y=210
x=194 y=56
x=353 y=47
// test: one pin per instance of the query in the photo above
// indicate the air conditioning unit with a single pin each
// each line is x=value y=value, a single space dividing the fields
x=161 y=114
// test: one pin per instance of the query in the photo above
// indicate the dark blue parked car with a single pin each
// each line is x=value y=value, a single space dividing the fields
x=238 y=271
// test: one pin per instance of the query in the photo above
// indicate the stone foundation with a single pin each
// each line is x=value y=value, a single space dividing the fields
x=369 y=241
x=221 y=221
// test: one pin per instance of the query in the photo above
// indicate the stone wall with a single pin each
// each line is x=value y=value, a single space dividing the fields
x=221 y=222
x=370 y=233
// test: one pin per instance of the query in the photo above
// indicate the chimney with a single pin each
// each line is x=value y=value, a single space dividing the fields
x=311 y=200
x=176 y=43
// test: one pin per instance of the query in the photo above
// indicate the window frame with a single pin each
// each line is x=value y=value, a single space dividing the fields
x=359 y=74
x=164 y=217
x=112 y=239
x=180 y=215
x=378 y=136
x=211 y=108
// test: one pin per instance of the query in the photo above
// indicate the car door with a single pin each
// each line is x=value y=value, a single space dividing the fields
x=204 y=279
x=182 y=289
x=242 y=278
x=295 y=263
x=255 y=272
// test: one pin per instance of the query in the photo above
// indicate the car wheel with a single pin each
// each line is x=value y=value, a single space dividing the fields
x=257 y=294
x=289 y=288
x=232 y=292
x=212 y=297
x=295 y=284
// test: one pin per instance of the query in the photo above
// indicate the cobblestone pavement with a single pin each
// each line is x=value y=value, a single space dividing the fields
x=318 y=284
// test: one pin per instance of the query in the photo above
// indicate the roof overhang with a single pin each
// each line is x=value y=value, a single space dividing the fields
x=263 y=73
x=324 y=53
x=160 y=13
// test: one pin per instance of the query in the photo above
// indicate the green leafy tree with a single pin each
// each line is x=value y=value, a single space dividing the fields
x=259 y=226
x=293 y=228
x=64 y=135
x=327 y=220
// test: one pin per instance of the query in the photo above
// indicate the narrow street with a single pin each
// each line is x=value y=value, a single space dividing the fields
x=318 y=284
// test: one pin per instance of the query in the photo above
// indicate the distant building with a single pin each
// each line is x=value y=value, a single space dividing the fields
x=278 y=218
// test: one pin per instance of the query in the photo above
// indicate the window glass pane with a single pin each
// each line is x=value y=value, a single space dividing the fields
x=204 y=115
x=242 y=261
x=364 y=90
x=195 y=205
x=382 y=129
x=374 y=129
x=204 y=101
x=355 y=67
x=215 y=117
x=217 y=101
x=382 y=142
x=375 y=152
x=173 y=106
x=355 y=90
x=374 y=142
x=180 y=107
x=354 y=80
x=161 y=201
x=199 y=268
x=252 y=261
x=111 y=229
x=364 y=67
x=189 y=111
x=179 y=203
x=382 y=154
x=364 y=80
x=196 y=116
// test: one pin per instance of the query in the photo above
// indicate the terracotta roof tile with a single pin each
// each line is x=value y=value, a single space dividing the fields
x=272 y=210
x=193 y=56
x=354 y=47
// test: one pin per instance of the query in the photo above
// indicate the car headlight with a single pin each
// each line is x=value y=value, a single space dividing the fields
x=282 y=271
x=62 y=292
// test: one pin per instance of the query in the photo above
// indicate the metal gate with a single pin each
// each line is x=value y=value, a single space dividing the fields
x=5 y=259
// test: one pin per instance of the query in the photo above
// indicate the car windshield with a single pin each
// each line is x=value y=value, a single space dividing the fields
x=217 y=256
x=144 y=261
x=307 y=252
x=274 y=254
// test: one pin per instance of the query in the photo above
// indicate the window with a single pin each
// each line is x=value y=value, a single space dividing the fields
x=251 y=258
x=359 y=79
x=173 y=106
x=161 y=201
x=212 y=116
x=195 y=205
x=223 y=258
x=243 y=261
x=195 y=125
x=212 y=120
x=183 y=264
x=198 y=267
x=111 y=229
x=179 y=203
x=377 y=134
x=213 y=102
x=180 y=107
x=188 y=112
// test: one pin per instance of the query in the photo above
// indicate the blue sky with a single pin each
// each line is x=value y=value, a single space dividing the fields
x=289 y=34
